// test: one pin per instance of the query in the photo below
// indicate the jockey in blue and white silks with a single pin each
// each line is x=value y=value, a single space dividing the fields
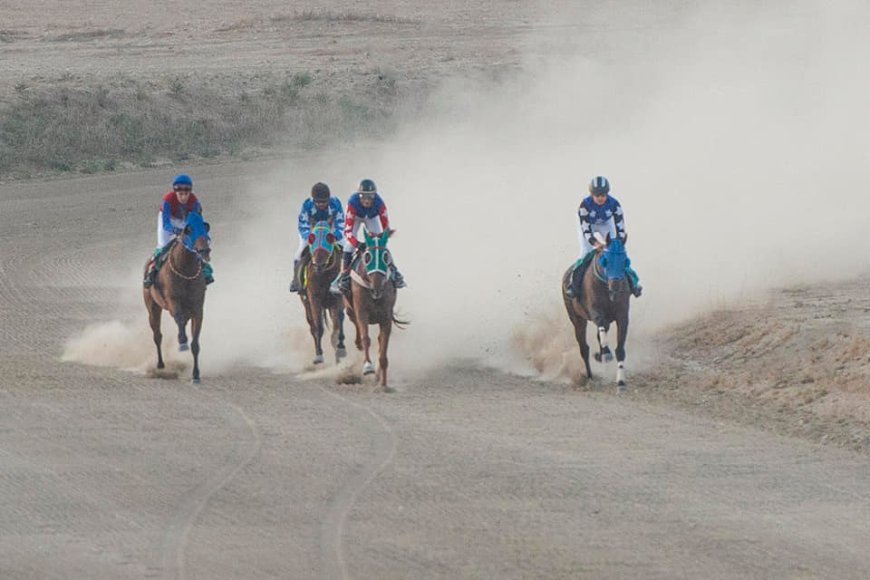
x=600 y=213
x=321 y=206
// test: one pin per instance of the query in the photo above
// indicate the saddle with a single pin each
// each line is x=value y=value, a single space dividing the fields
x=577 y=271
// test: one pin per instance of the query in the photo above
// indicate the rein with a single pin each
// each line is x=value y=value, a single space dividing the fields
x=179 y=274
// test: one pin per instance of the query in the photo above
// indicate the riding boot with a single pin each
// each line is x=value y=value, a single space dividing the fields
x=150 y=274
x=208 y=272
x=296 y=284
x=573 y=289
x=341 y=284
x=398 y=279
x=634 y=282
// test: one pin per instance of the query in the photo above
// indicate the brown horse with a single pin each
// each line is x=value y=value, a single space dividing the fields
x=324 y=265
x=179 y=287
x=602 y=300
x=371 y=300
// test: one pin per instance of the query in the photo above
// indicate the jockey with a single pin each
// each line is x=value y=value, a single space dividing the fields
x=599 y=216
x=174 y=208
x=321 y=206
x=365 y=207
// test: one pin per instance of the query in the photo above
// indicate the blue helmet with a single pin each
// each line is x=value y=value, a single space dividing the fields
x=599 y=186
x=182 y=179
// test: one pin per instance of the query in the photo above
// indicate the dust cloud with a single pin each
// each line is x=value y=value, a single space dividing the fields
x=735 y=137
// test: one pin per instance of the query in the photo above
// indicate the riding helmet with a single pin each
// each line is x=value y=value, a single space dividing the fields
x=182 y=179
x=599 y=185
x=367 y=186
x=320 y=192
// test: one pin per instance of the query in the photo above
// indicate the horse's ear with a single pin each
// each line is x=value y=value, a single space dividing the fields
x=207 y=226
x=608 y=237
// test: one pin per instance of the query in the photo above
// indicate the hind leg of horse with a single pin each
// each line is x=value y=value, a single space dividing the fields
x=351 y=315
x=154 y=315
x=195 y=329
x=362 y=326
x=383 y=344
x=337 y=313
x=621 y=336
x=181 y=322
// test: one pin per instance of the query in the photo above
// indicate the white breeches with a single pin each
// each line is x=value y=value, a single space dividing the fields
x=602 y=230
x=163 y=236
x=372 y=225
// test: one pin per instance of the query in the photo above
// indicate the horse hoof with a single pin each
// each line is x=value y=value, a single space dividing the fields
x=318 y=359
x=389 y=389
x=183 y=347
x=195 y=381
x=608 y=357
x=340 y=353
x=597 y=357
x=368 y=369
x=621 y=387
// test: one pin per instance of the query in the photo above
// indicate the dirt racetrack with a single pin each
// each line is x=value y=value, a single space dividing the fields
x=742 y=456
x=258 y=473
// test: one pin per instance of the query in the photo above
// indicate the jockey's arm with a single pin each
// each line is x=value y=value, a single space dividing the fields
x=384 y=217
x=619 y=223
x=584 y=226
x=350 y=224
x=166 y=212
x=302 y=221
x=338 y=220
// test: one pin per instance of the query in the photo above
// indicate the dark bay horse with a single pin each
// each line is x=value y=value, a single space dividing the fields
x=316 y=298
x=371 y=300
x=603 y=299
x=179 y=287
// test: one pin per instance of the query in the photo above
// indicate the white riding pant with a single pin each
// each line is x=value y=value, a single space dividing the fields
x=602 y=230
x=372 y=225
x=163 y=236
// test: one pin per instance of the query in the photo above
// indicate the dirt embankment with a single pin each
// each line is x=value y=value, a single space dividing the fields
x=797 y=364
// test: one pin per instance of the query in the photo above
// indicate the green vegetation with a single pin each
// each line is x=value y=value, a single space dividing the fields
x=65 y=126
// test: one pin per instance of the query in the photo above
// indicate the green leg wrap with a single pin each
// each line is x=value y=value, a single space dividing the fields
x=208 y=272
x=632 y=275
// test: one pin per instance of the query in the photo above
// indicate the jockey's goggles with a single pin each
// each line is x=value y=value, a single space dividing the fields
x=366 y=195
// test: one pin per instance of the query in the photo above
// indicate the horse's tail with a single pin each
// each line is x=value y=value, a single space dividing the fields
x=401 y=324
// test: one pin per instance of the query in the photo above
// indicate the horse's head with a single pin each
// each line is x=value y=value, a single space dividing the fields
x=321 y=244
x=613 y=262
x=377 y=260
x=195 y=237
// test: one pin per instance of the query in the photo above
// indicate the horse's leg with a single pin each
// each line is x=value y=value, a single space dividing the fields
x=351 y=314
x=362 y=326
x=195 y=329
x=337 y=315
x=154 y=315
x=604 y=354
x=383 y=344
x=580 y=335
x=621 y=335
x=317 y=330
x=181 y=321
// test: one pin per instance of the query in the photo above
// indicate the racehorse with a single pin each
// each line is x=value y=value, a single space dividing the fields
x=371 y=300
x=603 y=299
x=179 y=287
x=324 y=265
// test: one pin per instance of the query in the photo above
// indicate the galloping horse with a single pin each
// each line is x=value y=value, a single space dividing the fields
x=179 y=287
x=603 y=300
x=371 y=300
x=316 y=297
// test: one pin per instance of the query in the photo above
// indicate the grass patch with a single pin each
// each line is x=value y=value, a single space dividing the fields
x=65 y=127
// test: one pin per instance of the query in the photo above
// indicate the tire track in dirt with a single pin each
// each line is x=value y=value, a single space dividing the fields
x=333 y=526
x=176 y=540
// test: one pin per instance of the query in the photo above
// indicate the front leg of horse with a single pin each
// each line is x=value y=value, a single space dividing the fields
x=181 y=321
x=154 y=315
x=603 y=354
x=195 y=329
x=363 y=328
x=338 y=332
x=383 y=363
x=317 y=332
x=621 y=336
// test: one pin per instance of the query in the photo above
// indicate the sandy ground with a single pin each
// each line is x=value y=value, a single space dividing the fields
x=268 y=469
x=258 y=472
